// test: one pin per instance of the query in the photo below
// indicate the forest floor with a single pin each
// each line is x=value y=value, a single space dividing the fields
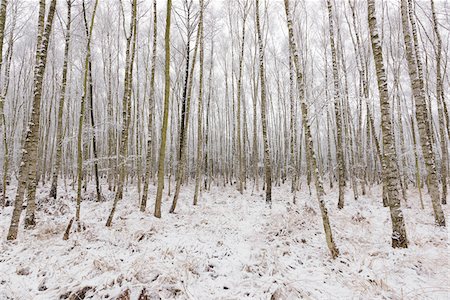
x=230 y=246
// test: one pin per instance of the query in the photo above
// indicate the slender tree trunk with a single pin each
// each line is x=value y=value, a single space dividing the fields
x=349 y=130
x=207 y=155
x=417 y=87
x=126 y=108
x=82 y=114
x=262 y=78
x=239 y=96
x=31 y=192
x=293 y=126
x=255 y=135
x=151 y=103
x=28 y=165
x=3 y=7
x=440 y=103
x=337 y=111
x=185 y=115
x=330 y=160
x=94 y=140
x=399 y=239
x=3 y=93
x=59 y=128
x=162 y=151
x=200 y=109
x=308 y=138
x=416 y=161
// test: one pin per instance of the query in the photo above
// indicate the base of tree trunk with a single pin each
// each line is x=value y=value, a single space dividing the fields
x=400 y=242
x=67 y=232
x=53 y=192
x=30 y=221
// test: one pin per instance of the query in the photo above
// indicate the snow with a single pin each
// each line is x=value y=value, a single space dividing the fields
x=230 y=246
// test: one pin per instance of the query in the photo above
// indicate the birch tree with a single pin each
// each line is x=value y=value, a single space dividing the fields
x=151 y=110
x=82 y=112
x=126 y=107
x=198 y=175
x=308 y=136
x=28 y=166
x=245 y=8
x=162 y=150
x=62 y=96
x=337 y=110
x=399 y=239
x=417 y=86
x=186 y=106
x=440 y=98
x=3 y=8
x=267 y=163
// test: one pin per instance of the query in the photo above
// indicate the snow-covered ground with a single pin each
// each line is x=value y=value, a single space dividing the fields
x=230 y=246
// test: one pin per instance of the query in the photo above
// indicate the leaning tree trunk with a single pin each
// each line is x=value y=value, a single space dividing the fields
x=59 y=129
x=262 y=78
x=91 y=113
x=308 y=138
x=390 y=178
x=31 y=191
x=184 y=126
x=185 y=103
x=28 y=165
x=418 y=91
x=126 y=109
x=162 y=150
